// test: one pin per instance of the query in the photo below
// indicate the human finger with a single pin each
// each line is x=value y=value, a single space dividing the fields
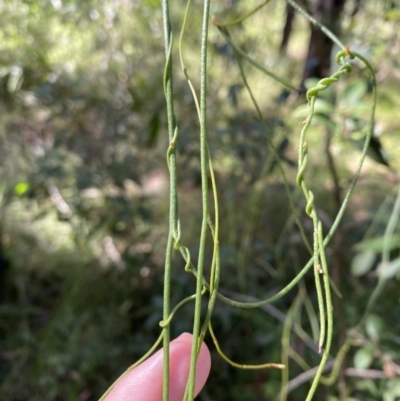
x=144 y=383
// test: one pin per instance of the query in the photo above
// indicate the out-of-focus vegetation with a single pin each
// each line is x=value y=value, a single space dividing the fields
x=84 y=196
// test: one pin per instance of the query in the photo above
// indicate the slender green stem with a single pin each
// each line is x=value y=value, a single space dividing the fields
x=165 y=323
x=319 y=252
x=184 y=69
x=326 y=31
x=248 y=305
x=331 y=379
x=215 y=265
x=329 y=310
x=173 y=202
x=239 y=365
x=241 y=19
x=317 y=269
x=216 y=262
x=293 y=311
x=204 y=189
x=298 y=359
x=237 y=49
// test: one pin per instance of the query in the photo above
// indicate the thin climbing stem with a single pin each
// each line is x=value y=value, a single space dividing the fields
x=254 y=63
x=329 y=310
x=315 y=22
x=173 y=201
x=241 y=19
x=285 y=341
x=204 y=191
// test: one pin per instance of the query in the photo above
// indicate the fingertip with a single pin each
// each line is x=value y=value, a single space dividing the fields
x=144 y=383
x=180 y=366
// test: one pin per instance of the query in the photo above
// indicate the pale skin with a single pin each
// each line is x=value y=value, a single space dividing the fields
x=144 y=383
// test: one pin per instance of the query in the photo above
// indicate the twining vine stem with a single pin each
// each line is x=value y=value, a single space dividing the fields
x=318 y=259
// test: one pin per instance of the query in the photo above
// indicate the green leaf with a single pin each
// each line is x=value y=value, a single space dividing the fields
x=376 y=244
x=21 y=188
x=368 y=386
x=374 y=326
x=363 y=358
x=392 y=390
x=389 y=270
x=353 y=93
x=362 y=263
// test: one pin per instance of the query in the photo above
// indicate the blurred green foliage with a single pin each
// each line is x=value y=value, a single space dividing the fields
x=84 y=195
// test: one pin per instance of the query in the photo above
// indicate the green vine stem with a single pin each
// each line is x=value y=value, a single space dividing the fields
x=213 y=291
x=310 y=210
x=243 y=54
x=173 y=201
x=165 y=323
x=204 y=191
x=215 y=265
x=184 y=69
x=318 y=287
x=325 y=30
x=293 y=311
x=241 y=19
x=216 y=262
x=239 y=365
x=329 y=310
x=331 y=379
